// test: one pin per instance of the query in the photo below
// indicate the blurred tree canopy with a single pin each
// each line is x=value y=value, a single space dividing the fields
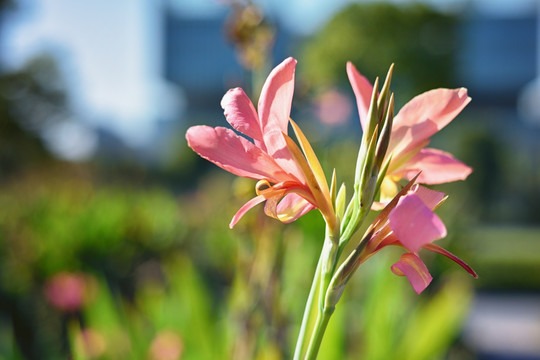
x=31 y=99
x=418 y=39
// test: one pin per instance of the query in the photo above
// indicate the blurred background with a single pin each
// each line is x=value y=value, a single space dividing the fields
x=114 y=239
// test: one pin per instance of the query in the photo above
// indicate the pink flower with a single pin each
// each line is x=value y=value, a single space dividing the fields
x=412 y=128
x=68 y=291
x=408 y=221
x=332 y=107
x=290 y=183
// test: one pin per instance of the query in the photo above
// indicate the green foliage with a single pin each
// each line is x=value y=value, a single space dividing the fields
x=396 y=323
x=419 y=40
x=170 y=267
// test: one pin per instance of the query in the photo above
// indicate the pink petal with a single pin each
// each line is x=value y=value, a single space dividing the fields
x=274 y=114
x=276 y=97
x=414 y=269
x=437 y=167
x=430 y=198
x=277 y=148
x=292 y=207
x=362 y=91
x=448 y=254
x=414 y=224
x=233 y=153
x=241 y=114
x=244 y=209
x=424 y=115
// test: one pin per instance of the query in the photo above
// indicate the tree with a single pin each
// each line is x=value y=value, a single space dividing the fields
x=419 y=40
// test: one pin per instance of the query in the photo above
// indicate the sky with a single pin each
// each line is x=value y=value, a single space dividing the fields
x=112 y=53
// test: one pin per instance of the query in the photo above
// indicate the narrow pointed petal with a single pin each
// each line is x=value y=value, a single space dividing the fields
x=362 y=89
x=437 y=167
x=233 y=153
x=245 y=208
x=292 y=207
x=276 y=97
x=321 y=201
x=414 y=269
x=313 y=162
x=241 y=114
x=426 y=114
x=448 y=254
x=414 y=224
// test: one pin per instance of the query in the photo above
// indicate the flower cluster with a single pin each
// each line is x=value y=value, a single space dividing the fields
x=393 y=151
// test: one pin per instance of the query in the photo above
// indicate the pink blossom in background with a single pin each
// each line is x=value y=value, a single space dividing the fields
x=333 y=107
x=68 y=292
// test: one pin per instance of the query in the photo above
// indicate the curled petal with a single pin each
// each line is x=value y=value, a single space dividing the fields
x=245 y=208
x=270 y=208
x=233 y=153
x=292 y=207
x=437 y=167
x=424 y=115
x=276 y=97
x=363 y=90
x=411 y=266
x=241 y=114
x=414 y=224
x=431 y=198
x=448 y=254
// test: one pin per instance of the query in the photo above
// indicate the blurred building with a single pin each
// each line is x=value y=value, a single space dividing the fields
x=202 y=62
x=498 y=57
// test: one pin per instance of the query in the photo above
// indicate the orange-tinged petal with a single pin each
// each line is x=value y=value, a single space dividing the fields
x=233 y=153
x=322 y=202
x=292 y=207
x=411 y=266
x=389 y=189
x=312 y=160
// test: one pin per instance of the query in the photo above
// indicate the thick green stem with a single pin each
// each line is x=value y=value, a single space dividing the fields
x=307 y=311
x=318 y=333
x=323 y=275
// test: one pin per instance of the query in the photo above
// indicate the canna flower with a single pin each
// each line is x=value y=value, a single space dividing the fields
x=412 y=128
x=290 y=182
x=408 y=221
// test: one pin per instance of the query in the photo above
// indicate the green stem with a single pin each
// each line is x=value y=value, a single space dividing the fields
x=317 y=336
x=307 y=310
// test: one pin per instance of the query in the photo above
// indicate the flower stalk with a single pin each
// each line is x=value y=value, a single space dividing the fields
x=292 y=182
